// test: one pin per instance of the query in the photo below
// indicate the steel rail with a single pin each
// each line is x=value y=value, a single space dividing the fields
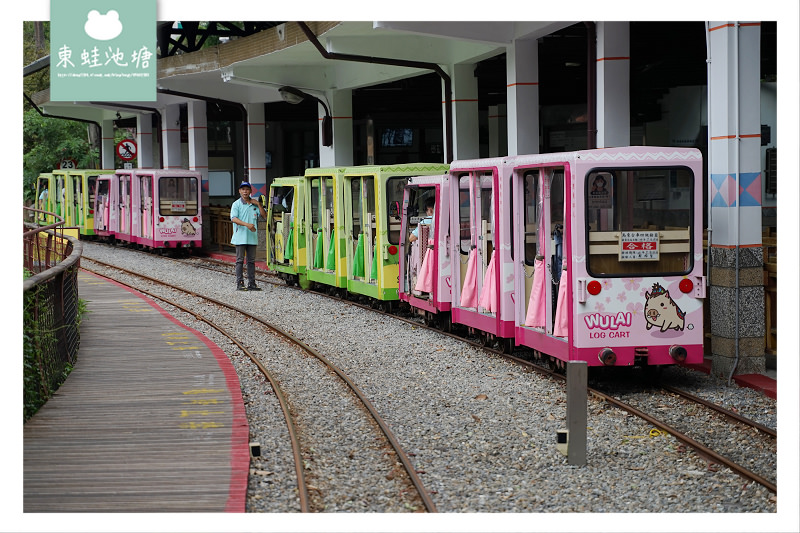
x=295 y=441
x=401 y=455
x=721 y=410
x=697 y=446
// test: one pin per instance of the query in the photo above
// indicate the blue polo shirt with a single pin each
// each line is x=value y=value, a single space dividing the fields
x=245 y=213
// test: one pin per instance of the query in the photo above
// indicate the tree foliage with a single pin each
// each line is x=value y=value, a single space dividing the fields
x=47 y=141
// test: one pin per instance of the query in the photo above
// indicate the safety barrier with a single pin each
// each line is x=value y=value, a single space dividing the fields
x=51 y=309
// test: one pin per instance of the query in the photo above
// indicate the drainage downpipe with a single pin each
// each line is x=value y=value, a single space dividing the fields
x=242 y=109
x=738 y=193
x=153 y=110
x=399 y=63
x=591 y=85
x=84 y=120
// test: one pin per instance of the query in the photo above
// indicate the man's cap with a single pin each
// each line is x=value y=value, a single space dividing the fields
x=245 y=184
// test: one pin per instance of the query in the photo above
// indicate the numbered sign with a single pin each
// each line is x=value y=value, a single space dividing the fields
x=126 y=149
x=68 y=164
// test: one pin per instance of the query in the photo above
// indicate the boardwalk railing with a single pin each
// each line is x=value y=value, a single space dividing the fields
x=51 y=334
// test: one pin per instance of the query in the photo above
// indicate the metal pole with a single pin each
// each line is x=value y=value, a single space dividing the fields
x=577 y=372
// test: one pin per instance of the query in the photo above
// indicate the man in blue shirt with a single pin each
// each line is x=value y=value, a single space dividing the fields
x=244 y=215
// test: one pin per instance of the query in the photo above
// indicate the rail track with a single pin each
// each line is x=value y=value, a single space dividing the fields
x=308 y=503
x=523 y=358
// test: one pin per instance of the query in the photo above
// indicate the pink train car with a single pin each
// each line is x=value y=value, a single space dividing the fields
x=593 y=255
x=150 y=208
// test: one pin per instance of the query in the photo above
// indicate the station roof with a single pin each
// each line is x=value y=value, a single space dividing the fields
x=257 y=60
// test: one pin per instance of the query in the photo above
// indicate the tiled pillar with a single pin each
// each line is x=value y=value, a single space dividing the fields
x=735 y=195
x=144 y=140
x=256 y=149
x=107 y=144
x=341 y=152
x=198 y=155
x=171 y=136
x=613 y=84
x=522 y=77
x=465 y=112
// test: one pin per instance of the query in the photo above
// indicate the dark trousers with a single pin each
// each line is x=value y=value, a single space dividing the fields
x=248 y=250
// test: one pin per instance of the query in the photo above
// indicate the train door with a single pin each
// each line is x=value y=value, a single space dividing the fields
x=361 y=230
x=103 y=208
x=60 y=200
x=75 y=199
x=124 y=203
x=44 y=198
x=323 y=223
x=146 y=217
x=281 y=223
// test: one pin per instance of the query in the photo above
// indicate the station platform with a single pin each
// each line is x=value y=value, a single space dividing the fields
x=151 y=419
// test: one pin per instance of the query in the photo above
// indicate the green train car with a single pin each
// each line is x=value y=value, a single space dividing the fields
x=286 y=236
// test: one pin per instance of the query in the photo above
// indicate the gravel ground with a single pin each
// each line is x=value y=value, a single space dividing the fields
x=481 y=429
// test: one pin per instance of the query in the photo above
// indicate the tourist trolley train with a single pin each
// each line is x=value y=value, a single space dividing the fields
x=346 y=221
x=592 y=255
x=150 y=208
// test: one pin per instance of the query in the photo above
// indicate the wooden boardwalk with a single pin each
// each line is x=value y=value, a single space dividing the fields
x=150 y=420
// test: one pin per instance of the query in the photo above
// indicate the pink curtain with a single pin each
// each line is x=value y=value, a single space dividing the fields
x=562 y=321
x=535 y=317
x=425 y=277
x=488 y=298
x=469 y=293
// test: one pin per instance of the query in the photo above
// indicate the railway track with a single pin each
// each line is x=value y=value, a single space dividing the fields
x=310 y=497
x=684 y=436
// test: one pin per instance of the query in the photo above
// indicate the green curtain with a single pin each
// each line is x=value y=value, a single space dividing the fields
x=358 y=259
x=318 y=251
x=330 y=262
x=373 y=274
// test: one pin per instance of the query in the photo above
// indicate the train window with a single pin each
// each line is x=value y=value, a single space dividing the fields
x=92 y=184
x=355 y=197
x=464 y=208
x=532 y=213
x=177 y=195
x=394 y=199
x=639 y=221
x=315 y=222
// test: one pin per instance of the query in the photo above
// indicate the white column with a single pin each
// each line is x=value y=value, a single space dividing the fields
x=107 y=143
x=341 y=152
x=198 y=155
x=256 y=148
x=465 y=112
x=522 y=75
x=613 y=84
x=144 y=140
x=171 y=136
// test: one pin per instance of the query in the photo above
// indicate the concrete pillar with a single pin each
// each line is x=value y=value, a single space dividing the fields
x=256 y=148
x=737 y=343
x=498 y=130
x=144 y=140
x=341 y=152
x=198 y=155
x=522 y=75
x=171 y=136
x=107 y=143
x=613 y=84
x=465 y=112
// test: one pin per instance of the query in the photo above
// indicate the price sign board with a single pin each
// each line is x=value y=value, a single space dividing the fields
x=638 y=246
